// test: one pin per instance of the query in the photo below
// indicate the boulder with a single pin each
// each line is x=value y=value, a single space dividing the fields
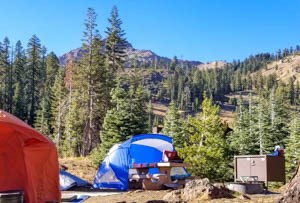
x=198 y=189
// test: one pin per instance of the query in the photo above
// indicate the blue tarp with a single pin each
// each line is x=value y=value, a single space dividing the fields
x=67 y=180
x=145 y=148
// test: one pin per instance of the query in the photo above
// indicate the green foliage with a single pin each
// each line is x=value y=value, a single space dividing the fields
x=206 y=146
x=59 y=109
x=173 y=127
x=115 y=43
x=88 y=86
x=44 y=117
x=292 y=152
x=128 y=117
x=261 y=125
x=34 y=74
x=19 y=67
x=5 y=76
x=243 y=139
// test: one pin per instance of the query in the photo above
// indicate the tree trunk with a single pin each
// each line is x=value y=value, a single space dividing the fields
x=292 y=192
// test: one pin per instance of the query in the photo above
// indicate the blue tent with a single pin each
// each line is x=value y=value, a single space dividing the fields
x=68 y=180
x=145 y=148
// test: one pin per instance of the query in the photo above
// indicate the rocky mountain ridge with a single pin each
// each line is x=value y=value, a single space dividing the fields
x=142 y=56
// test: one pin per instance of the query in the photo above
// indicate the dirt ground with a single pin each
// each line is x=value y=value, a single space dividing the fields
x=140 y=196
x=83 y=168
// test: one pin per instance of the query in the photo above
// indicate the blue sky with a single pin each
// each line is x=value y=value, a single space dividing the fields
x=203 y=30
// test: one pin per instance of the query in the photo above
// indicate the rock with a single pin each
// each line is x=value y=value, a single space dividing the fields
x=244 y=197
x=292 y=192
x=137 y=191
x=198 y=188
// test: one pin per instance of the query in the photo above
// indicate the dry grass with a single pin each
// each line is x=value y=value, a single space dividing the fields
x=226 y=114
x=159 y=109
x=81 y=167
x=286 y=68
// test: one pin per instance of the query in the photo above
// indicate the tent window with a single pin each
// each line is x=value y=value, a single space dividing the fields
x=178 y=173
x=109 y=176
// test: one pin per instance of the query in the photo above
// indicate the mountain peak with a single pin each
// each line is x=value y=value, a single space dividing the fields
x=142 y=56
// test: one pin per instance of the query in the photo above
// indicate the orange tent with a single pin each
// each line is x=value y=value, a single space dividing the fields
x=28 y=161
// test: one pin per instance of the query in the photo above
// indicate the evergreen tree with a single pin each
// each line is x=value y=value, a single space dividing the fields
x=19 y=67
x=172 y=125
x=115 y=44
x=44 y=118
x=293 y=146
x=291 y=91
x=280 y=117
x=33 y=76
x=150 y=116
x=242 y=139
x=72 y=142
x=206 y=144
x=127 y=118
x=5 y=76
x=88 y=87
x=59 y=109
x=262 y=127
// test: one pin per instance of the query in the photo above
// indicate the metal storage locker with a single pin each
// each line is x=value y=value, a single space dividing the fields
x=259 y=168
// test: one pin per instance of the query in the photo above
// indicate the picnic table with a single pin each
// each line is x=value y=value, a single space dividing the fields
x=154 y=181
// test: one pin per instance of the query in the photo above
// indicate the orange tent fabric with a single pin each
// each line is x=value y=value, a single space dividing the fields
x=28 y=161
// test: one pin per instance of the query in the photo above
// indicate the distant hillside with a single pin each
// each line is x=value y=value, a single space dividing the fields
x=146 y=57
x=286 y=68
x=211 y=65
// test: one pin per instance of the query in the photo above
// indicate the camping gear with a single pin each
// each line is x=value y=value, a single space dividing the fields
x=155 y=182
x=139 y=149
x=278 y=151
x=68 y=180
x=74 y=198
x=28 y=161
x=12 y=196
x=171 y=156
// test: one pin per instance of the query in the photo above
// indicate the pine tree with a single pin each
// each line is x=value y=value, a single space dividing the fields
x=115 y=46
x=115 y=43
x=19 y=67
x=59 y=109
x=44 y=118
x=5 y=75
x=127 y=118
x=262 y=127
x=172 y=125
x=33 y=75
x=88 y=83
x=291 y=91
x=242 y=139
x=150 y=115
x=293 y=146
x=280 y=117
x=72 y=142
x=206 y=144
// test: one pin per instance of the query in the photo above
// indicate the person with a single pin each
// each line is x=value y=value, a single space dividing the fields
x=278 y=151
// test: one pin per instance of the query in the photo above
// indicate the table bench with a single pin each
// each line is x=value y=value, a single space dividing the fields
x=147 y=181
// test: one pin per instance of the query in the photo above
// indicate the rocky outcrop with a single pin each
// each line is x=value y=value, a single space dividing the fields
x=146 y=57
x=198 y=189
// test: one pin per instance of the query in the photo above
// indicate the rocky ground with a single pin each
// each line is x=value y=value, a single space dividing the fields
x=158 y=197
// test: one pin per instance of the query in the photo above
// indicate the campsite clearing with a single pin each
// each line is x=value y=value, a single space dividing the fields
x=82 y=167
